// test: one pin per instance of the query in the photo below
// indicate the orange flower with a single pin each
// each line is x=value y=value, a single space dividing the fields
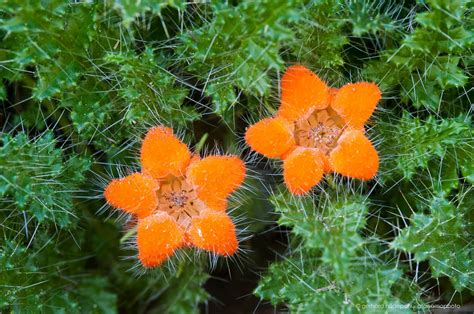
x=318 y=129
x=179 y=199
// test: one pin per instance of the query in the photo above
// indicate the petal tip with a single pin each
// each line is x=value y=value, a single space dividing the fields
x=215 y=177
x=355 y=156
x=355 y=102
x=135 y=194
x=302 y=91
x=215 y=232
x=303 y=169
x=163 y=154
x=271 y=137
x=158 y=237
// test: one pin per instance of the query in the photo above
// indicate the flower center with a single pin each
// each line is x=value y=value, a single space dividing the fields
x=178 y=198
x=320 y=130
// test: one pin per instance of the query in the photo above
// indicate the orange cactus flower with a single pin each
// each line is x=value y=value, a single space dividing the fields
x=318 y=129
x=178 y=198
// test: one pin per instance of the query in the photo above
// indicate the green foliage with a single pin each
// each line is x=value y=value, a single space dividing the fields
x=93 y=73
x=81 y=81
x=148 y=88
x=304 y=285
x=334 y=267
x=46 y=279
x=237 y=48
x=165 y=290
x=131 y=9
x=185 y=292
x=38 y=178
x=320 y=37
x=432 y=58
x=33 y=36
x=448 y=139
x=370 y=17
x=331 y=227
x=442 y=237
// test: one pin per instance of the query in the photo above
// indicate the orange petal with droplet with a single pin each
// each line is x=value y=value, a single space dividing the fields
x=355 y=156
x=214 y=231
x=163 y=154
x=158 y=237
x=302 y=92
x=356 y=102
x=135 y=194
x=303 y=169
x=271 y=137
x=215 y=177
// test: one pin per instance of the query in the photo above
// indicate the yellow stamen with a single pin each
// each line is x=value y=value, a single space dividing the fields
x=320 y=130
x=179 y=200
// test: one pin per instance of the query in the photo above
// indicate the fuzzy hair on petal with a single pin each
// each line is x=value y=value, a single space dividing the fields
x=158 y=236
x=302 y=92
x=135 y=194
x=355 y=156
x=355 y=102
x=163 y=154
x=215 y=177
x=271 y=137
x=303 y=169
x=215 y=232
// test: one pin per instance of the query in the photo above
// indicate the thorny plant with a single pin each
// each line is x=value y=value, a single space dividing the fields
x=83 y=81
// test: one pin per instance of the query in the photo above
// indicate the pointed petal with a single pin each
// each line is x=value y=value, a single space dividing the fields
x=271 y=137
x=215 y=177
x=214 y=231
x=303 y=169
x=302 y=92
x=163 y=154
x=355 y=156
x=135 y=194
x=158 y=236
x=356 y=102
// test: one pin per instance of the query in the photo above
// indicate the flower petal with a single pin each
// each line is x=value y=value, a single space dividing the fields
x=163 y=154
x=215 y=202
x=158 y=236
x=135 y=194
x=355 y=156
x=271 y=137
x=356 y=102
x=326 y=163
x=303 y=169
x=215 y=177
x=302 y=92
x=214 y=231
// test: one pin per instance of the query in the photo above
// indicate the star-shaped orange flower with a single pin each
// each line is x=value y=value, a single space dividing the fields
x=318 y=129
x=179 y=199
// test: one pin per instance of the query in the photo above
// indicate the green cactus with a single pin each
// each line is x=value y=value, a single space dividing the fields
x=82 y=81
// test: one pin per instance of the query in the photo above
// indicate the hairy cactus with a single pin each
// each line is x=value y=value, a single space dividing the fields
x=353 y=119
